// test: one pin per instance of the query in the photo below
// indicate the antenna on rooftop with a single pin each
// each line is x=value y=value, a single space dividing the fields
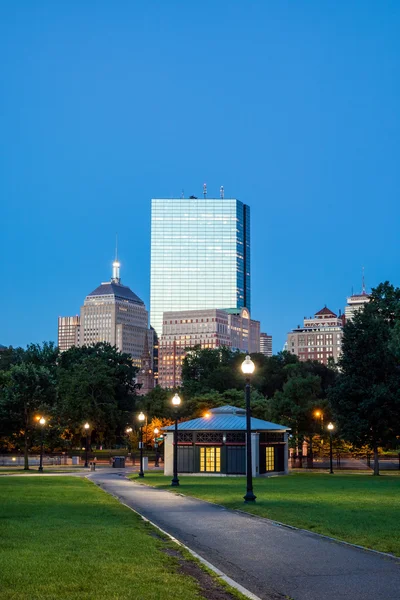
x=205 y=190
x=183 y=193
x=363 y=291
x=116 y=264
x=221 y=191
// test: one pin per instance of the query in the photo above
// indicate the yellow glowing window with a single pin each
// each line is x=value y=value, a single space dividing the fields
x=210 y=460
x=269 y=458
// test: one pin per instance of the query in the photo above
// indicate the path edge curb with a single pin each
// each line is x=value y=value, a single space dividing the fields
x=206 y=563
x=280 y=524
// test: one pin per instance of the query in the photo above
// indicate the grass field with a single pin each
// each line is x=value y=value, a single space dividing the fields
x=361 y=509
x=62 y=538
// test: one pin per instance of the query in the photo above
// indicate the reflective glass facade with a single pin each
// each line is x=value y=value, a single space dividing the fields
x=200 y=255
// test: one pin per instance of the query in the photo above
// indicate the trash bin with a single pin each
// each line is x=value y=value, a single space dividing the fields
x=92 y=466
x=119 y=462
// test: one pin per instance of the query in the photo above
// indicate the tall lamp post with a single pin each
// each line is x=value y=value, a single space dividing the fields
x=156 y=431
x=176 y=401
x=141 y=419
x=330 y=428
x=42 y=423
x=87 y=427
x=248 y=370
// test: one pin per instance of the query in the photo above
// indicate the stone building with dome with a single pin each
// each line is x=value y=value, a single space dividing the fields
x=111 y=313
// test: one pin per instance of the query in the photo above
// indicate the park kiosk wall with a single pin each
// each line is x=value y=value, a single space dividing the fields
x=216 y=445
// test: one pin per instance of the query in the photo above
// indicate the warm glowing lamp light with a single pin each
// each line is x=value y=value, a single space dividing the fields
x=331 y=426
x=42 y=421
x=176 y=400
x=248 y=366
x=141 y=417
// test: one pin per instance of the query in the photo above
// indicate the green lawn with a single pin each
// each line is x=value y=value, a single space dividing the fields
x=62 y=538
x=361 y=509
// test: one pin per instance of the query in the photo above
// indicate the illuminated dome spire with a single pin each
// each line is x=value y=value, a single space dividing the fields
x=116 y=264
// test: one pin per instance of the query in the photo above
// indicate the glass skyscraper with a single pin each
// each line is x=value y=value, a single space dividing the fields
x=200 y=255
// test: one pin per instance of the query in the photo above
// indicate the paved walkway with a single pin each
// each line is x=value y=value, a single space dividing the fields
x=272 y=561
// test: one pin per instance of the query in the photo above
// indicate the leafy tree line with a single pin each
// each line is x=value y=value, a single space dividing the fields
x=97 y=384
x=94 y=384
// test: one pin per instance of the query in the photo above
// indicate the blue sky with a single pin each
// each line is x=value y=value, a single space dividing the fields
x=292 y=106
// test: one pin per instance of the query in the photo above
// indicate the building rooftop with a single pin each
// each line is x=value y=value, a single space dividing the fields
x=118 y=290
x=226 y=418
x=325 y=311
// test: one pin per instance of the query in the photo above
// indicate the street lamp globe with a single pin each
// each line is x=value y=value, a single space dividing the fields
x=156 y=430
x=176 y=400
x=42 y=421
x=141 y=417
x=86 y=426
x=331 y=426
x=248 y=366
x=129 y=430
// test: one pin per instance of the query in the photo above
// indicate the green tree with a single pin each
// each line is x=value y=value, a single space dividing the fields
x=366 y=397
x=96 y=384
x=26 y=391
x=294 y=405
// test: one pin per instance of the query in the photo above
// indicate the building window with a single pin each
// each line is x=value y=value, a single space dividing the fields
x=210 y=460
x=270 y=458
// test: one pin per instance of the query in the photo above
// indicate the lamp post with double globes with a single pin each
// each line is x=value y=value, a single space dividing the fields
x=42 y=423
x=248 y=370
x=176 y=401
x=330 y=429
x=87 y=427
x=141 y=418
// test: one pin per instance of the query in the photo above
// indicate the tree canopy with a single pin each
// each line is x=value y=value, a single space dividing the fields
x=366 y=397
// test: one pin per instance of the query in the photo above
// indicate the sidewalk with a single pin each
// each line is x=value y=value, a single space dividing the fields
x=272 y=561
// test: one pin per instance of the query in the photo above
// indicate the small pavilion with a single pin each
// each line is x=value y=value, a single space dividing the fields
x=216 y=445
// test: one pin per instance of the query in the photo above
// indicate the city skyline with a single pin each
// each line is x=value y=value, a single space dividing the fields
x=298 y=118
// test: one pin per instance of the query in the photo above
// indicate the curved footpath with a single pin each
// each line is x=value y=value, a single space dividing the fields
x=272 y=561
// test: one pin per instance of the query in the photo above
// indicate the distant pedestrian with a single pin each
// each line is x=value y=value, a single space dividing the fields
x=158 y=456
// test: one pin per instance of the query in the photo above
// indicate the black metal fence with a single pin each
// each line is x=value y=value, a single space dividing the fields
x=346 y=461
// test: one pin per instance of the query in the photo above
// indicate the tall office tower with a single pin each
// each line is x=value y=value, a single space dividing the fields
x=113 y=313
x=356 y=302
x=319 y=339
x=200 y=255
x=266 y=344
x=68 y=332
x=210 y=328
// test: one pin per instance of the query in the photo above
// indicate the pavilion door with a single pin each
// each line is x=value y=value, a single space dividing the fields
x=185 y=459
x=236 y=460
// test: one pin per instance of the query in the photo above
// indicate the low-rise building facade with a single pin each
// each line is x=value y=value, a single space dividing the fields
x=68 y=332
x=320 y=337
x=211 y=328
x=266 y=344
